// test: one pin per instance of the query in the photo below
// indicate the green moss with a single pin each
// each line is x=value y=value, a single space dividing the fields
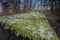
x=33 y=25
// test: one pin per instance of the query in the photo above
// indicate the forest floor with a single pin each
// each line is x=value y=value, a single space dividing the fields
x=54 y=20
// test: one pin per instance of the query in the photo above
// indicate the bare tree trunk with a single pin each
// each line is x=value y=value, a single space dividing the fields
x=30 y=5
x=25 y=5
x=5 y=7
x=51 y=5
x=17 y=6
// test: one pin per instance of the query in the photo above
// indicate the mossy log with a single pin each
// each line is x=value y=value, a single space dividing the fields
x=32 y=25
